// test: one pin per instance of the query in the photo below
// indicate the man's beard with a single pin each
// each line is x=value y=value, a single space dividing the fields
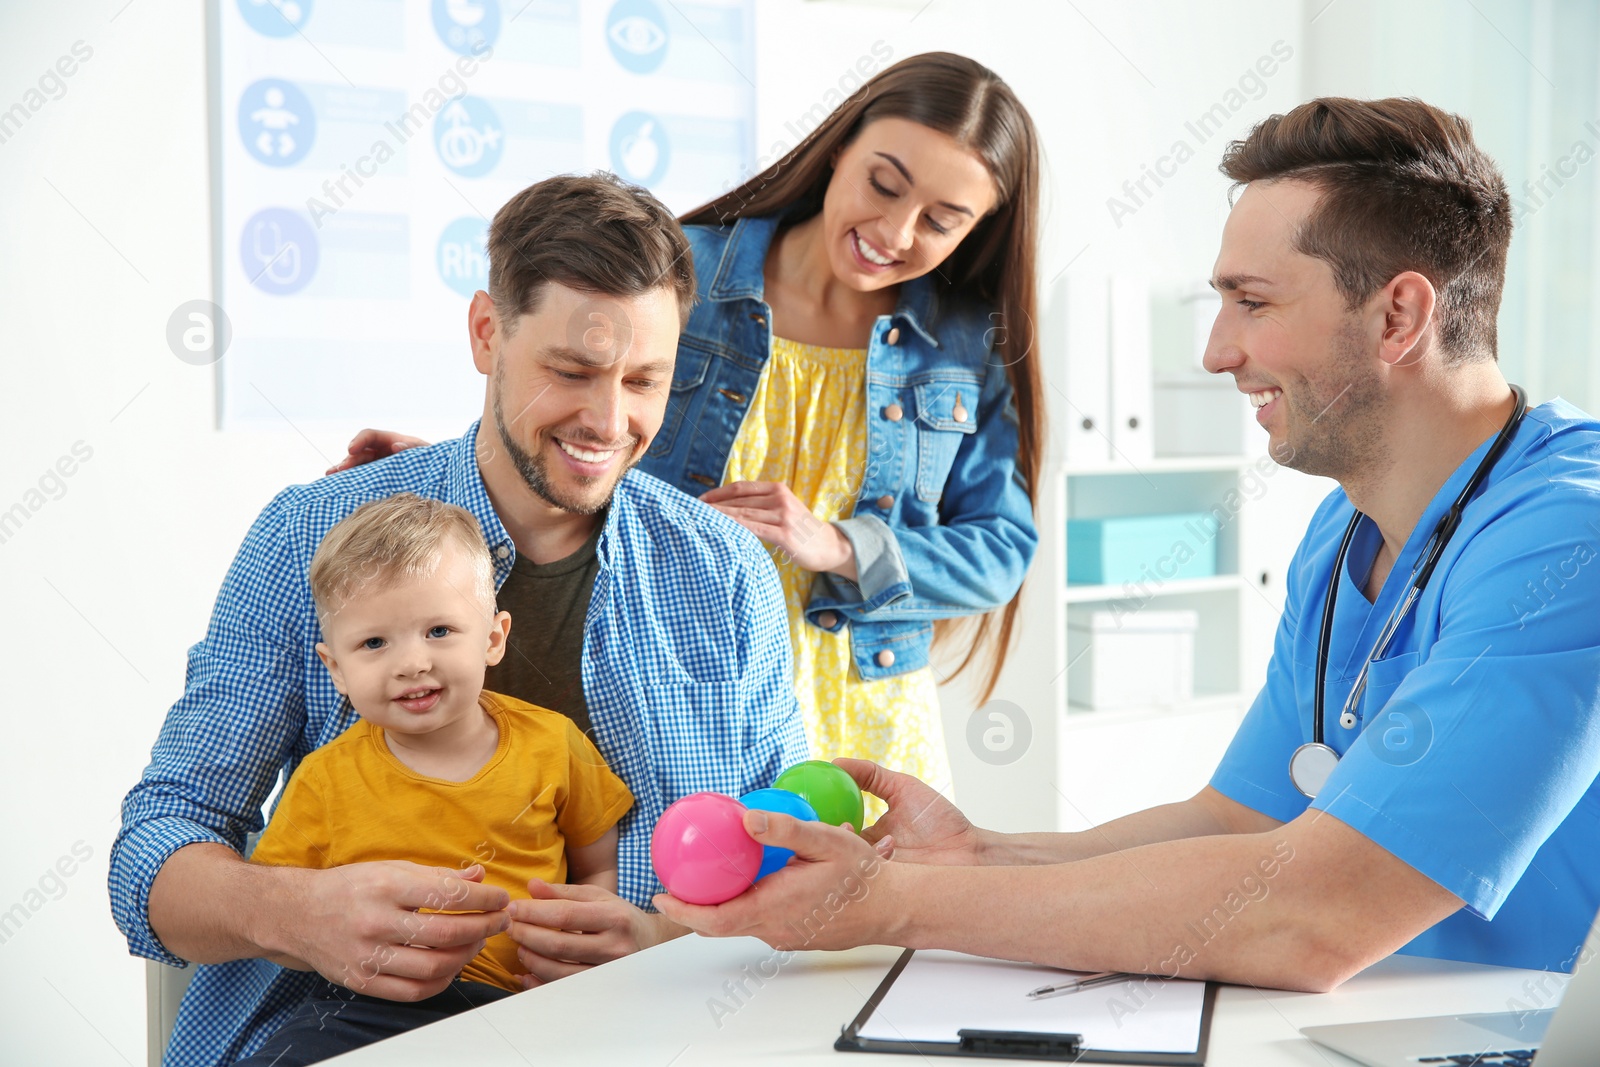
x=1338 y=427
x=535 y=470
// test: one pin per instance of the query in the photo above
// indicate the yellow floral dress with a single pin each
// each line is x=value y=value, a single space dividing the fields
x=807 y=428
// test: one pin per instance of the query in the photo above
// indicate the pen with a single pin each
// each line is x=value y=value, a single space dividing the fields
x=1072 y=986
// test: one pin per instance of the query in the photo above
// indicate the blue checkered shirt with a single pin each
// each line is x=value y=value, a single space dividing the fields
x=686 y=672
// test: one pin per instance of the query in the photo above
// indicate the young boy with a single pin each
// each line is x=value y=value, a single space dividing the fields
x=437 y=771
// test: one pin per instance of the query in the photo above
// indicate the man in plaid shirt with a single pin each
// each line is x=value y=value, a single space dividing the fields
x=674 y=640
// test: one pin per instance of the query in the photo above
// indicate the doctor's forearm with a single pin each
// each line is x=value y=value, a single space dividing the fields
x=1304 y=906
x=1204 y=815
x=1202 y=908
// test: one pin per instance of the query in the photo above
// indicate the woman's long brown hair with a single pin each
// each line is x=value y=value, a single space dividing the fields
x=993 y=267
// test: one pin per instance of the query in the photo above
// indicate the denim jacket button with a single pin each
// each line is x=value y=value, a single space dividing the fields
x=894 y=412
x=886 y=658
x=893 y=336
x=828 y=620
x=886 y=502
x=758 y=318
x=703 y=479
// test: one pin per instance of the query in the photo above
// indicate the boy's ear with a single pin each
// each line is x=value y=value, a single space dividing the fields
x=332 y=664
x=499 y=630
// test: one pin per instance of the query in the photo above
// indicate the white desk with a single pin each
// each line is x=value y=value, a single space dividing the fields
x=652 y=1010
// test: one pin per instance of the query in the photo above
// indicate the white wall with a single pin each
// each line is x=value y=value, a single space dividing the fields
x=103 y=197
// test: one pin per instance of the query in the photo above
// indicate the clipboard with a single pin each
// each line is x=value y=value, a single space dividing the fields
x=1029 y=1044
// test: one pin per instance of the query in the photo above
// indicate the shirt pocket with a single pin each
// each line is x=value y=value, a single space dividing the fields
x=1383 y=678
x=947 y=413
x=696 y=728
x=688 y=374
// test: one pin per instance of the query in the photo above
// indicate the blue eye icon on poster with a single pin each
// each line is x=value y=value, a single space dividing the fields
x=468 y=137
x=278 y=250
x=636 y=32
x=275 y=18
x=639 y=148
x=467 y=26
x=463 y=255
x=276 y=122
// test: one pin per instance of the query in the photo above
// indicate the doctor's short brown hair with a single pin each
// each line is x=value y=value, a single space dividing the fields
x=1404 y=188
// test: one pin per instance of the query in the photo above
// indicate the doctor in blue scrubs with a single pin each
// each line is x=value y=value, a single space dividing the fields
x=1419 y=772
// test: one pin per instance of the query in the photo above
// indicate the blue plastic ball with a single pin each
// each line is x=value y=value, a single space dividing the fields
x=784 y=803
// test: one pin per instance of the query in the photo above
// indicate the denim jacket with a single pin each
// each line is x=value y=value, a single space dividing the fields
x=942 y=524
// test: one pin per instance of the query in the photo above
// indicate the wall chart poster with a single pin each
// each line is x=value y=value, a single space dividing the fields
x=360 y=148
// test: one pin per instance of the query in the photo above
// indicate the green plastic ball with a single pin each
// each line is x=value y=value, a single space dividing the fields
x=830 y=791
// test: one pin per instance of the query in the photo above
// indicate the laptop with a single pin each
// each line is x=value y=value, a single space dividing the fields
x=1566 y=1036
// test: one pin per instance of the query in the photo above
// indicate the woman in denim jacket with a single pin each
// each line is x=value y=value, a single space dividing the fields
x=857 y=385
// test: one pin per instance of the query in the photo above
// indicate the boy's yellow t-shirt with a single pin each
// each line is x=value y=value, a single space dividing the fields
x=545 y=787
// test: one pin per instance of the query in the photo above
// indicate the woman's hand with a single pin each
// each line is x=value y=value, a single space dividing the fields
x=374 y=444
x=921 y=826
x=772 y=512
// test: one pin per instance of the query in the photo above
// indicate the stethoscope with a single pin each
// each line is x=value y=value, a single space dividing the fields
x=1314 y=761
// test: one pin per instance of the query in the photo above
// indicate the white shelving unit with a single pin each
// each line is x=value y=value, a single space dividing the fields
x=1113 y=762
x=1101 y=764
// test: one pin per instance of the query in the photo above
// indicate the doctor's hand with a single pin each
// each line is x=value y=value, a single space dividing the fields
x=921 y=826
x=836 y=892
x=772 y=512
x=564 y=929
x=369 y=445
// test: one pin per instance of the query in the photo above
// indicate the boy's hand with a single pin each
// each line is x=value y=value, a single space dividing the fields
x=359 y=925
x=565 y=929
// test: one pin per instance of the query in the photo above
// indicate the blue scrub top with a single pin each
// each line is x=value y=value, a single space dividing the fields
x=1478 y=745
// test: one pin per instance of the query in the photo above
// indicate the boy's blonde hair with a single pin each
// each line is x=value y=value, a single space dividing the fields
x=398 y=537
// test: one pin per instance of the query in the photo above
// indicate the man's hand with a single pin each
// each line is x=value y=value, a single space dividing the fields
x=834 y=893
x=564 y=929
x=772 y=512
x=369 y=445
x=359 y=925
x=921 y=826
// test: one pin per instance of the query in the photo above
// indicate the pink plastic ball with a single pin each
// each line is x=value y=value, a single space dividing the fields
x=701 y=852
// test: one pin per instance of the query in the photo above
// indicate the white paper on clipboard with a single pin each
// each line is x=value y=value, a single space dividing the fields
x=941 y=992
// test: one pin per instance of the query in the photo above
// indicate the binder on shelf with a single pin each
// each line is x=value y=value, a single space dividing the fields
x=1080 y=310
x=938 y=1003
x=1132 y=436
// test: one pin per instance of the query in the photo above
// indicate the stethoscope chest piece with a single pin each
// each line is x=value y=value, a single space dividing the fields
x=1310 y=767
